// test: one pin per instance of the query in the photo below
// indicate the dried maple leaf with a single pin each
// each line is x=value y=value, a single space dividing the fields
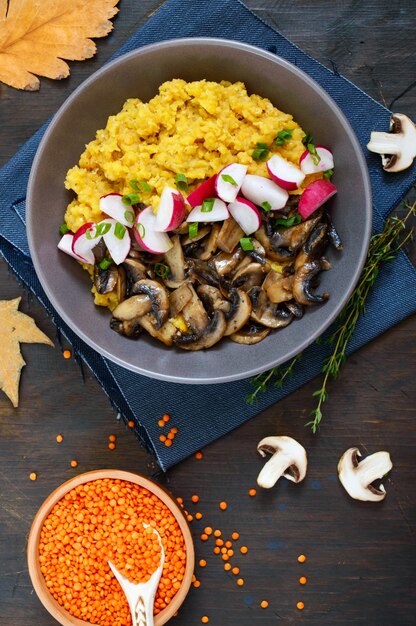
x=35 y=35
x=15 y=328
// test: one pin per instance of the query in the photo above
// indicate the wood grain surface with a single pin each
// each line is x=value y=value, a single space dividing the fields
x=360 y=556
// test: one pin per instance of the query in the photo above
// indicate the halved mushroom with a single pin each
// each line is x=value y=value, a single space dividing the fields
x=333 y=235
x=288 y=459
x=258 y=254
x=206 y=338
x=132 y=308
x=129 y=328
x=274 y=250
x=189 y=241
x=268 y=313
x=212 y=299
x=229 y=235
x=105 y=280
x=239 y=312
x=179 y=298
x=165 y=333
x=100 y=251
x=300 y=233
x=278 y=287
x=307 y=267
x=208 y=245
x=398 y=146
x=356 y=477
x=295 y=308
x=226 y=262
x=194 y=313
x=135 y=271
x=249 y=276
x=159 y=298
x=250 y=334
x=176 y=263
x=202 y=272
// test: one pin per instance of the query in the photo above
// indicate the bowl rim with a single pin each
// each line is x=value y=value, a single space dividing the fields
x=36 y=577
x=367 y=207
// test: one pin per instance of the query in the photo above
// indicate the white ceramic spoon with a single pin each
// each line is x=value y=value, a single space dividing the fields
x=141 y=596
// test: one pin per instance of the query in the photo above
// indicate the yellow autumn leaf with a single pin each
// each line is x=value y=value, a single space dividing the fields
x=15 y=328
x=36 y=35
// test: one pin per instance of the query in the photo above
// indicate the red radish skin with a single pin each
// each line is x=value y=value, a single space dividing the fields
x=246 y=214
x=326 y=161
x=202 y=192
x=259 y=189
x=314 y=196
x=284 y=173
x=218 y=213
x=226 y=191
x=147 y=237
x=65 y=245
x=112 y=205
x=171 y=210
x=117 y=248
x=82 y=246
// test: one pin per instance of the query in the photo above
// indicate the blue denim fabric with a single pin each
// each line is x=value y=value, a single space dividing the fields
x=211 y=411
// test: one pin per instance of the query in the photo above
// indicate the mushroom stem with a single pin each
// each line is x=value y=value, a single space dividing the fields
x=373 y=467
x=275 y=467
x=383 y=143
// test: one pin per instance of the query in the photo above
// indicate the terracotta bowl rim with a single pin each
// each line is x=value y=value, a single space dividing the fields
x=36 y=576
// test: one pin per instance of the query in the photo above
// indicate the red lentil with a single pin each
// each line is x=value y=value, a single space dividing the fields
x=235 y=536
x=174 y=430
x=162 y=438
x=227 y=567
x=228 y=544
x=204 y=619
x=112 y=438
x=33 y=476
x=195 y=499
x=112 y=445
x=208 y=530
x=198 y=455
x=204 y=537
x=171 y=435
x=252 y=492
x=217 y=550
x=264 y=604
x=300 y=606
x=203 y=563
x=67 y=354
x=240 y=582
x=301 y=558
x=103 y=520
x=223 y=506
x=236 y=570
x=165 y=418
x=196 y=583
x=243 y=549
x=74 y=463
x=59 y=438
x=198 y=515
x=217 y=533
x=161 y=423
x=168 y=443
x=303 y=580
x=130 y=424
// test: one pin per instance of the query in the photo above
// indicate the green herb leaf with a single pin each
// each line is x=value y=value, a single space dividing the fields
x=207 y=205
x=91 y=233
x=266 y=206
x=193 y=230
x=162 y=270
x=246 y=244
x=293 y=220
x=229 y=179
x=315 y=156
x=130 y=198
x=307 y=139
x=119 y=230
x=328 y=174
x=134 y=184
x=181 y=182
x=102 y=229
x=283 y=136
x=63 y=229
x=105 y=264
x=261 y=152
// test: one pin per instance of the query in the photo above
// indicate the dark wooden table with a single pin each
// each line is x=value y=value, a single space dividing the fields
x=360 y=556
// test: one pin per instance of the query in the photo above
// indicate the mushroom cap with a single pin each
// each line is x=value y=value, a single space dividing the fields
x=356 y=477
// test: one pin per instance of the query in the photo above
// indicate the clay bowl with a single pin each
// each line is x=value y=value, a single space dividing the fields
x=38 y=581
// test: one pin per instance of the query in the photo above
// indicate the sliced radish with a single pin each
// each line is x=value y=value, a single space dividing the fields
x=246 y=214
x=259 y=189
x=285 y=174
x=171 y=210
x=314 y=196
x=65 y=244
x=147 y=237
x=112 y=205
x=326 y=162
x=211 y=210
x=203 y=191
x=229 y=181
x=117 y=239
x=84 y=240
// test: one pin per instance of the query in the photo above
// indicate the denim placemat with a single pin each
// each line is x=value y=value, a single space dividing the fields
x=204 y=413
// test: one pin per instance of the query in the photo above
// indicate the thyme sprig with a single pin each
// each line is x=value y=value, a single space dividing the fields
x=383 y=248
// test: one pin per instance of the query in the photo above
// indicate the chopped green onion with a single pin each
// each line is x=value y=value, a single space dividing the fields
x=102 y=229
x=229 y=179
x=90 y=233
x=193 y=230
x=130 y=198
x=266 y=206
x=289 y=221
x=63 y=229
x=105 y=264
x=307 y=139
x=181 y=182
x=119 y=230
x=315 y=156
x=207 y=205
x=140 y=185
x=246 y=244
x=162 y=270
x=283 y=136
x=129 y=216
x=140 y=229
x=328 y=174
x=261 y=152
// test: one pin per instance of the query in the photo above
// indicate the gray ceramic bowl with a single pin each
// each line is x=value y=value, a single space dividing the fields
x=139 y=74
